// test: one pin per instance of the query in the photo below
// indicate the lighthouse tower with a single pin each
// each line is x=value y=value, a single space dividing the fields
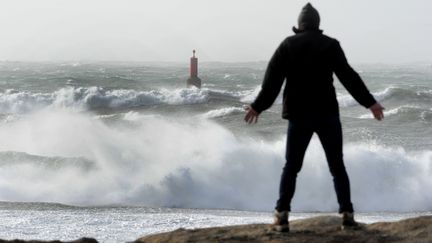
x=193 y=80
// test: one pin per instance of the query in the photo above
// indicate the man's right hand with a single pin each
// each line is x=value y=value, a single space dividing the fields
x=377 y=111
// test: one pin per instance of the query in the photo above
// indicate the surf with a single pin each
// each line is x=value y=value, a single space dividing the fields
x=178 y=162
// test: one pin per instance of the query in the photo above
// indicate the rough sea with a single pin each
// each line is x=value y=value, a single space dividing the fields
x=116 y=151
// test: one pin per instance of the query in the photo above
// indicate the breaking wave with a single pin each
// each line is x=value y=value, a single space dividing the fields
x=391 y=92
x=178 y=162
x=88 y=98
x=413 y=111
x=81 y=98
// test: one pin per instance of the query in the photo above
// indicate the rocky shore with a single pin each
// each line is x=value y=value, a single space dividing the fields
x=317 y=229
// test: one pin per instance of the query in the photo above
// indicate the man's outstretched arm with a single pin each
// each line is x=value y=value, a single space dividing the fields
x=271 y=86
x=354 y=84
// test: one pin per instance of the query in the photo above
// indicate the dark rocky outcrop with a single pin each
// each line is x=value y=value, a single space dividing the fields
x=82 y=240
x=318 y=229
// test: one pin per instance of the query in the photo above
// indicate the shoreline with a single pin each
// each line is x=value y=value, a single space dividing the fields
x=315 y=229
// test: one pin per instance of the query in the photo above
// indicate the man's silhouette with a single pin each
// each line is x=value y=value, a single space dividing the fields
x=307 y=61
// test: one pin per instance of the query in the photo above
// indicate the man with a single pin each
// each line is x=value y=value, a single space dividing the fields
x=307 y=61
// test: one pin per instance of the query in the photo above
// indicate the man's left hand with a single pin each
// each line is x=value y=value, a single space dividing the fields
x=251 y=115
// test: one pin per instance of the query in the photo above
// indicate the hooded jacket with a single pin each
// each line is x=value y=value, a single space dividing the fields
x=307 y=61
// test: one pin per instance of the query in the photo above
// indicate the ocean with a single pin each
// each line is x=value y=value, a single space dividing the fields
x=116 y=150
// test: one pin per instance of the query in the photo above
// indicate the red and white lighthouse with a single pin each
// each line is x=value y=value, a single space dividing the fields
x=193 y=80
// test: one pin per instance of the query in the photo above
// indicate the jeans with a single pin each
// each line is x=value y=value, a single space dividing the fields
x=300 y=132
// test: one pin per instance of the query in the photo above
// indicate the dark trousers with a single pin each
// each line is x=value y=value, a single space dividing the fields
x=300 y=132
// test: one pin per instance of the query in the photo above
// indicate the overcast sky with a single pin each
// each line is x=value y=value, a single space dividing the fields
x=370 y=31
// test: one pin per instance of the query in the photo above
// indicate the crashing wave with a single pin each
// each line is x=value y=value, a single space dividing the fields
x=83 y=98
x=195 y=164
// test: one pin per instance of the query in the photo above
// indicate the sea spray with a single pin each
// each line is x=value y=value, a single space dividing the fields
x=193 y=163
x=93 y=134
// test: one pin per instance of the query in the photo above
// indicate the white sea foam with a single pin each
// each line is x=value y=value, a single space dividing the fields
x=392 y=112
x=12 y=101
x=134 y=116
x=195 y=164
x=424 y=92
x=104 y=116
x=222 y=112
x=96 y=97
x=250 y=95
x=347 y=100
x=231 y=93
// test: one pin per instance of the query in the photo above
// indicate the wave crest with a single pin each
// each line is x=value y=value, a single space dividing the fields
x=397 y=111
x=391 y=92
x=96 y=97
x=222 y=112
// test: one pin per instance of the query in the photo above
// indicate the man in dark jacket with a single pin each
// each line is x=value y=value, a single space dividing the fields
x=307 y=61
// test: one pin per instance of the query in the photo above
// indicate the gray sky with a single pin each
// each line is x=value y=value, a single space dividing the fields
x=370 y=31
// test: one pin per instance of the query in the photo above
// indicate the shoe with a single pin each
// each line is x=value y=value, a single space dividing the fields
x=348 y=221
x=281 y=223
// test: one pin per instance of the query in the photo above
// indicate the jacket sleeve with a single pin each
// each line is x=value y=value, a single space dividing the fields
x=273 y=80
x=351 y=79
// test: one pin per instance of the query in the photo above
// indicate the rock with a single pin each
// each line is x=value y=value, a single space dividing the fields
x=82 y=240
x=317 y=229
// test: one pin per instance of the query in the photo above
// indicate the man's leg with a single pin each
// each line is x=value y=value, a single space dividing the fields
x=330 y=133
x=298 y=137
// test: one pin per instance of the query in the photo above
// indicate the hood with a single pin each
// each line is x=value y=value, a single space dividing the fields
x=308 y=19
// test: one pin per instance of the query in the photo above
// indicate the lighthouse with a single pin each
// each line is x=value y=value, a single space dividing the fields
x=193 y=80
